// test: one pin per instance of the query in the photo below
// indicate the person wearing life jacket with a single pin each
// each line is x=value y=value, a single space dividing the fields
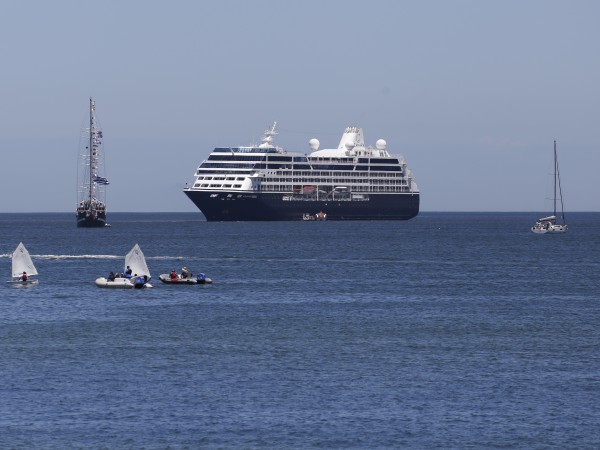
x=24 y=276
x=128 y=272
x=173 y=275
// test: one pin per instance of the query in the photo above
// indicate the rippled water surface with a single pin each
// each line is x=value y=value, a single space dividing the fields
x=447 y=331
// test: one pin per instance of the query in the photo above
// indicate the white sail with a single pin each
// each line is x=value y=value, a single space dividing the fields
x=136 y=261
x=21 y=262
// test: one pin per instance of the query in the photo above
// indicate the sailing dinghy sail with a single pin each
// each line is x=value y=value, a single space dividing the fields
x=136 y=262
x=22 y=264
x=135 y=273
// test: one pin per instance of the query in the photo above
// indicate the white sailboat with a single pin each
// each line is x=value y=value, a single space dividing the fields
x=135 y=273
x=22 y=267
x=550 y=225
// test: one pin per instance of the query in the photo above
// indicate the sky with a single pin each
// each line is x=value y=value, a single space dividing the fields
x=473 y=93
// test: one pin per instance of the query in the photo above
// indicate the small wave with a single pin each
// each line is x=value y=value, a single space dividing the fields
x=165 y=257
x=76 y=257
x=9 y=255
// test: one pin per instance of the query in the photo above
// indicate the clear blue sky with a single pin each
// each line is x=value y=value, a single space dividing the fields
x=473 y=93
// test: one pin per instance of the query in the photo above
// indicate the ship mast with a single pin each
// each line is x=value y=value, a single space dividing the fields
x=91 y=148
x=557 y=177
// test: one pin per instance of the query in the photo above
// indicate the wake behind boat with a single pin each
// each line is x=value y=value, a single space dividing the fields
x=91 y=182
x=135 y=274
x=22 y=267
x=549 y=225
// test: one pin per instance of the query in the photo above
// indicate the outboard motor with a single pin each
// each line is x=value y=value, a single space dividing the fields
x=201 y=278
x=139 y=282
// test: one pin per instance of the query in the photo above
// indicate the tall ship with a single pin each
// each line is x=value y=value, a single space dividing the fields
x=91 y=182
x=266 y=182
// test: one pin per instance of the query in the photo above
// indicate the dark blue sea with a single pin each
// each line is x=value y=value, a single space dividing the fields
x=451 y=330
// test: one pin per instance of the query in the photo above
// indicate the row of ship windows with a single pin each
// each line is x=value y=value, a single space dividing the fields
x=352 y=182
x=311 y=174
x=287 y=188
x=207 y=185
x=258 y=166
x=340 y=181
x=279 y=188
x=230 y=150
x=273 y=158
x=222 y=178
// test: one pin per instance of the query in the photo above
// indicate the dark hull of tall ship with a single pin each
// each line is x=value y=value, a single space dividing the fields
x=86 y=220
x=236 y=206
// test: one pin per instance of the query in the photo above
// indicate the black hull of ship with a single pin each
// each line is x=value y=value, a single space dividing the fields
x=88 y=221
x=236 y=206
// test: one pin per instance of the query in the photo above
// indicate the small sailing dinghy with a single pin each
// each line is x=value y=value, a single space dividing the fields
x=135 y=275
x=22 y=267
x=550 y=225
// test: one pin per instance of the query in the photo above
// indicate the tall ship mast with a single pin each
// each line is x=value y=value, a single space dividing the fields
x=91 y=182
x=266 y=182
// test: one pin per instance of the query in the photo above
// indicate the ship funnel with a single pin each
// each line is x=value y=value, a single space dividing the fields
x=352 y=137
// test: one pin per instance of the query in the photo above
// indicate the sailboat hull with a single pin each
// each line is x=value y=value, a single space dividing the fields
x=22 y=283
x=557 y=228
x=86 y=220
x=120 y=283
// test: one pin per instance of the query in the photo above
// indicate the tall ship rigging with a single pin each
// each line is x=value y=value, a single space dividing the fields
x=266 y=182
x=91 y=182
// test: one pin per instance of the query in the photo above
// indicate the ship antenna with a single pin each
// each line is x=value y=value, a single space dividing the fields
x=267 y=139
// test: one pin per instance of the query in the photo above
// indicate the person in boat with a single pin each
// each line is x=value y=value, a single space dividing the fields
x=111 y=276
x=24 y=276
x=128 y=272
x=173 y=275
x=184 y=272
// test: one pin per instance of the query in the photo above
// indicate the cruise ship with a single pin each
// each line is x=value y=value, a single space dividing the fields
x=266 y=182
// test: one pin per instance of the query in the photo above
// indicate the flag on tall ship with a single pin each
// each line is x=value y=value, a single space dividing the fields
x=101 y=180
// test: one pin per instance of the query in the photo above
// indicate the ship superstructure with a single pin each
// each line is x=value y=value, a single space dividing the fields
x=266 y=182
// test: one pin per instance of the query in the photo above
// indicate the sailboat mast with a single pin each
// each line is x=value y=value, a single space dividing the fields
x=91 y=149
x=554 y=196
x=562 y=206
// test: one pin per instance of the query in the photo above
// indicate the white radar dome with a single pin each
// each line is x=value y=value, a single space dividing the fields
x=350 y=145
x=380 y=144
x=314 y=144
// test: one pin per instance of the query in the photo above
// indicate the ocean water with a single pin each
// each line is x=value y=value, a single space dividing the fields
x=451 y=330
